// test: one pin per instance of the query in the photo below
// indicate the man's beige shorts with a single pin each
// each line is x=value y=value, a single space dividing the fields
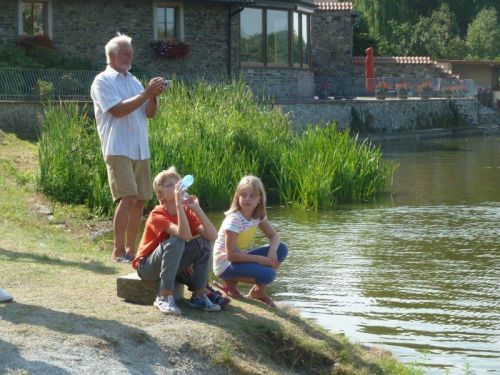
x=129 y=177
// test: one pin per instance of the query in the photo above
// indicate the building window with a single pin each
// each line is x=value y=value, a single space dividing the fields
x=305 y=40
x=251 y=43
x=296 y=55
x=34 y=17
x=168 y=21
x=277 y=37
x=272 y=37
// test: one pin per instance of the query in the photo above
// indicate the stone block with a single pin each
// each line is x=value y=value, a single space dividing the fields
x=132 y=289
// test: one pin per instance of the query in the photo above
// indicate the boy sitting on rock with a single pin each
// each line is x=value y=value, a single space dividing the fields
x=177 y=237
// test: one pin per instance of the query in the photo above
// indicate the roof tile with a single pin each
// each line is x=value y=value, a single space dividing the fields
x=396 y=60
x=332 y=5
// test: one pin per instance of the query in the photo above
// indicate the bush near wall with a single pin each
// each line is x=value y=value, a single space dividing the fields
x=39 y=52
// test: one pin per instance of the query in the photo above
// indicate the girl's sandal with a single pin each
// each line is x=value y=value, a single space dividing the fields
x=230 y=291
x=264 y=299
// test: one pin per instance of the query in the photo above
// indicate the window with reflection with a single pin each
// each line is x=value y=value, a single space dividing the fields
x=273 y=37
x=296 y=40
x=277 y=37
x=35 y=17
x=166 y=22
x=305 y=40
x=251 y=42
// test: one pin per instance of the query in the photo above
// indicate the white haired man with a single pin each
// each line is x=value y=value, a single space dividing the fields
x=122 y=106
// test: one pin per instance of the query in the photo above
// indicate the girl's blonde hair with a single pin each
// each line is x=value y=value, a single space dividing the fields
x=257 y=188
x=163 y=176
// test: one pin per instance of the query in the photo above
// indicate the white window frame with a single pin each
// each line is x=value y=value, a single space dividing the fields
x=20 y=25
x=169 y=4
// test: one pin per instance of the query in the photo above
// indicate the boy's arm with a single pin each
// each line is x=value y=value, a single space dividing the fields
x=181 y=229
x=206 y=228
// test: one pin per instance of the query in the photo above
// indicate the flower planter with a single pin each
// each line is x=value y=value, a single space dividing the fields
x=402 y=96
x=171 y=49
x=424 y=97
x=380 y=97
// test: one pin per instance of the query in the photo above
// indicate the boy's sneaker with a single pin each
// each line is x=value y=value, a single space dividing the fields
x=203 y=303
x=218 y=299
x=167 y=305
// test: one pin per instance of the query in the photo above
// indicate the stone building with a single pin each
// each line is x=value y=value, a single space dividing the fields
x=279 y=46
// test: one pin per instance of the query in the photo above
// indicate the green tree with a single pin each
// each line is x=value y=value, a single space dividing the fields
x=483 y=35
x=435 y=36
x=384 y=18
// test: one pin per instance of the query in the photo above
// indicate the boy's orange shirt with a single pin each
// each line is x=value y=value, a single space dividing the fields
x=155 y=230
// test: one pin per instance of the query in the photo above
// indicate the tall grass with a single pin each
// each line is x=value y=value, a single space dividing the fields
x=72 y=169
x=218 y=133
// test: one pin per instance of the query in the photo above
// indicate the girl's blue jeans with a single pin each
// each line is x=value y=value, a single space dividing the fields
x=263 y=275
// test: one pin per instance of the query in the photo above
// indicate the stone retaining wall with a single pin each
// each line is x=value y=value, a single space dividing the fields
x=21 y=118
x=282 y=83
x=24 y=118
x=377 y=115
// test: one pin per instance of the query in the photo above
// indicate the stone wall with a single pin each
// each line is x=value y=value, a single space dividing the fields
x=369 y=116
x=331 y=43
x=377 y=115
x=21 y=118
x=8 y=23
x=281 y=83
x=205 y=27
x=25 y=118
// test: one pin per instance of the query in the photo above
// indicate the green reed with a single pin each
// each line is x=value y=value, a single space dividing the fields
x=218 y=133
x=70 y=158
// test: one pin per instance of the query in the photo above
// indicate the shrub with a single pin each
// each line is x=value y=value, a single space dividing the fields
x=45 y=89
x=15 y=57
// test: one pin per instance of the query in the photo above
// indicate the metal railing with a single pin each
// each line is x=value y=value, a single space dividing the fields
x=36 y=84
x=328 y=87
x=41 y=84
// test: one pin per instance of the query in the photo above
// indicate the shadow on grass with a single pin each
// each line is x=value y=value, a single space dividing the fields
x=92 y=266
x=111 y=339
x=17 y=362
x=302 y=348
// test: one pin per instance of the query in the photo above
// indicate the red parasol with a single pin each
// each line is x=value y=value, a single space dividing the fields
x=369 y=76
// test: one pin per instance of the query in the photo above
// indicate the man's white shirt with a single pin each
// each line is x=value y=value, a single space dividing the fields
x=127 y=135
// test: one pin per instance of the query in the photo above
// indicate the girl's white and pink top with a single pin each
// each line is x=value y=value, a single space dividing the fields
x=245 y=230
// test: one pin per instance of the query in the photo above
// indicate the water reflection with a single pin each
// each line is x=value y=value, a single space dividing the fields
x=418 y=273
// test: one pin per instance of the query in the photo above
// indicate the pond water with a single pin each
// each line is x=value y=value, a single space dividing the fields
x=417 y=272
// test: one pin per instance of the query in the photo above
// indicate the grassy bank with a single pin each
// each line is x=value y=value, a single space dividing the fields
x=66 y=313
x=218 y=133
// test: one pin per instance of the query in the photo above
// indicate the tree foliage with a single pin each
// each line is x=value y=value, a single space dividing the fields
x=435 y=28
x=483 y=35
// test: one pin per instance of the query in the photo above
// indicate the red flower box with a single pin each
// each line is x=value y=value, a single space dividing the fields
x=171 y=49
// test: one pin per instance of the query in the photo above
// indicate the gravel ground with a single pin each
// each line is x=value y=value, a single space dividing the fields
x=44 y=341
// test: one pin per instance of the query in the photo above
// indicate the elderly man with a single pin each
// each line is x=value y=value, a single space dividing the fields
x=122 y=107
